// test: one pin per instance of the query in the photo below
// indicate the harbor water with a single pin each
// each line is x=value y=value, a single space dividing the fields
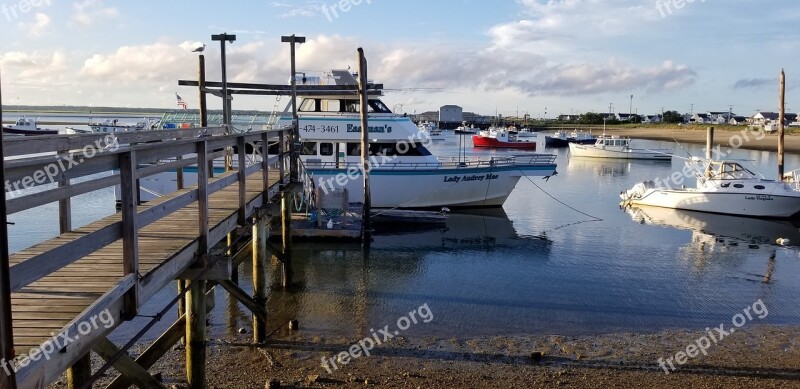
x=561 y=257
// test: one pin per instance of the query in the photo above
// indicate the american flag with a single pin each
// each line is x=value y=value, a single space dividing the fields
x=181 y=103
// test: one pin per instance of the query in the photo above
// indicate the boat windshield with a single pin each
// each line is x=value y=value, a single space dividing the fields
x=729 y=171
x=341 y=105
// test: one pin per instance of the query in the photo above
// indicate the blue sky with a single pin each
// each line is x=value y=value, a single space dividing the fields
x=564 y=56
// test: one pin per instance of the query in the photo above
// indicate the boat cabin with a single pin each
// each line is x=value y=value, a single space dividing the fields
x=612 y=141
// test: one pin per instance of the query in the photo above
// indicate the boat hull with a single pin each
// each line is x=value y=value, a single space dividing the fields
x=555 y=142
x=17 y=131
x=461 y=187
x=482 y=141
x=590 y=151
x=742 y=204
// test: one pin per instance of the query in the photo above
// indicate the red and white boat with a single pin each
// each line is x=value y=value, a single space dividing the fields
x=501 y=138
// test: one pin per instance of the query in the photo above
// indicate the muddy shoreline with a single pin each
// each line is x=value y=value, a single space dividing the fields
x=759 y=356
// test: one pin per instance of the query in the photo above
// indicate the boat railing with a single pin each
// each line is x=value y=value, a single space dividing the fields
x=445 y=163
x=792 y=179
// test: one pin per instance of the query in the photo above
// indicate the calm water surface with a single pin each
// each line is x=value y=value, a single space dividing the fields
x=534 y=266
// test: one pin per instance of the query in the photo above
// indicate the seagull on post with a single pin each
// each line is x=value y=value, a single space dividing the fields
x=199 y=49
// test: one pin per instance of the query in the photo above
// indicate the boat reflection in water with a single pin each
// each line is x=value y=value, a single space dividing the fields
x=724 y=239
x=743 y=229
x=341 y=289
x=602 y=167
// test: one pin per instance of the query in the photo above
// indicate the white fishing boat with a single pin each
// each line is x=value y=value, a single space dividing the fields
x=467 y=129
x=27 y=126
x=526 y=132
x=431 y=130
x=114 y=125
x=618 y=148
x=403 y=172
x=725 y=187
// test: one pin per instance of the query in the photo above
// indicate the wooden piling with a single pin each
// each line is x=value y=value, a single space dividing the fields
x=196 y=335
x=64 y=205
x=233 y=236
x=259 y=249
x=286 y=238
x=6 y=326
x=709 y=142
x=362 y=88
x=80 y=372
x=781 y=118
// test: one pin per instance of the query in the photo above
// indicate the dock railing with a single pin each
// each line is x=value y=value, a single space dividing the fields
x=43 y=170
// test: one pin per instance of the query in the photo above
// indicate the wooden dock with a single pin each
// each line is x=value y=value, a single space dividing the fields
x=71 y=291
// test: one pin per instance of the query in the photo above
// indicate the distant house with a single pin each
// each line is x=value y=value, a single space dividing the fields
x=721 y=117
x=568 y=118
x=738 y=121
x=624 y=117
x=701 y=118
x=648 y=119
x=763 y=118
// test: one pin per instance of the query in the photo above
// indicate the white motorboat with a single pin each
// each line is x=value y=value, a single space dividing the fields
x=526 y=132
x=467 y=129
x=616 y=147
x=114 y=125
x=724 y=187
x=431 y=130
x=403 y=172
x=26 y=126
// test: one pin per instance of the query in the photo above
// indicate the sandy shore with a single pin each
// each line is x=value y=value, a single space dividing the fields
x=726 y=137
x=763 y=357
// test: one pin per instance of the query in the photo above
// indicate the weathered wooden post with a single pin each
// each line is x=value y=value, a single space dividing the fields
x=294 y=135
x=265 y=167
x=6 y=325
x=259 y=248
x=781 y=118
x=64 y=205
x=78 y=374
x=129 y=195
x=196 y=297
x=281 y=152
x=365 y=168
x=286 y=238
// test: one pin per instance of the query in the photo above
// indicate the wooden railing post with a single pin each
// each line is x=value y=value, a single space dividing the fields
x=64 y=205
x=129 y=195
x=242 y=177
x=6 y=325
x=282 y=156
x=265 y=166
x=196 y=296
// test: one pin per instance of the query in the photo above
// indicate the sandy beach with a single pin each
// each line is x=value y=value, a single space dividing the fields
x=725 y=137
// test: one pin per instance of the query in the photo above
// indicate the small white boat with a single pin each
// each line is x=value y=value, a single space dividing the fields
x=724 y=187
x=431 y=130
x=114 y=125
x=526 y=132
x=616 y=147
x=26 y=127
x=464 y=128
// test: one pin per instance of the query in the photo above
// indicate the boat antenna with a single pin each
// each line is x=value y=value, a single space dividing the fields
x=682 y=148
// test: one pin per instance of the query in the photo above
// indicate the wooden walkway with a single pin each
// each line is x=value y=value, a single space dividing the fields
x=51 y=303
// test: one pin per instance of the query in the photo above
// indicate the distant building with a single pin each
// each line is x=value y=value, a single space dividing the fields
x=738 y=121
x=766 y=118
x=471 y=117
x=568 y=118
x=649 y=119
x=721 y=117
x=429 y=116
x=701 y=118
x=624 y=117
x=451 y=114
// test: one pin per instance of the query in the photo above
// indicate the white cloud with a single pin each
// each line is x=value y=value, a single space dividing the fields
x=40 y=25
x=88 y=12
x=35 y=68
x=158 y=62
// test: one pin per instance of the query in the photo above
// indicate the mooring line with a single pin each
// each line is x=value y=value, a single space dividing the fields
x=593 y=218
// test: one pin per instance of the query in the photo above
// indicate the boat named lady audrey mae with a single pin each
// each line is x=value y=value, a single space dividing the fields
x=403 y=173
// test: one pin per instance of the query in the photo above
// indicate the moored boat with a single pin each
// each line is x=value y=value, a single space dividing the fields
x=581 y=137
x=724 y=187
x=501 y=138
x=558 y=139
x=618 y=148
x=27 y=126
x=466 y=129
x=404 y=173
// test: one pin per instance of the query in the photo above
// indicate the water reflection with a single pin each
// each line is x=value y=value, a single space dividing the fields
x=341 y=288
x=722 y=239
